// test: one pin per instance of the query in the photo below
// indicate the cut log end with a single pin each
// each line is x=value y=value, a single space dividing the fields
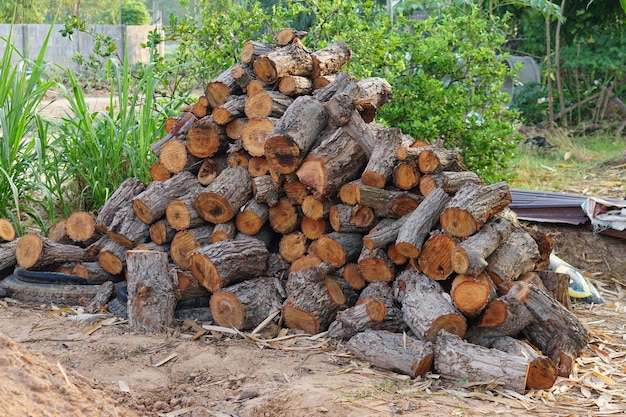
x=453 y=323
x=542 y=374
x=282 y=154
x=296 y=318
x=28 y=251
x=458 y=222
x=214 y=208
x=205 y=272
x=227 y=310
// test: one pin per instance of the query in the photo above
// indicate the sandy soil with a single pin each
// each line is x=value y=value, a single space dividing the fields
x=226 y=375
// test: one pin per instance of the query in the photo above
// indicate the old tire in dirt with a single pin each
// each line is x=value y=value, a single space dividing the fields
x=49 y=277
x=65 y=294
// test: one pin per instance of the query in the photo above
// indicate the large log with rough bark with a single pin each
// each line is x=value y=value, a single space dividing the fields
x=516 y=255
x=221 y=199
x=288 y=60
x=7 y=255
x=221 y=87
x=337 y=248
x=35 y=250
x=128 y=189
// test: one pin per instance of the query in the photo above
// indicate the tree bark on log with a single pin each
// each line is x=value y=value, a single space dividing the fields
x=183 y=123
x=221 y=87
x=34 y=250
x=351 y=219
x=375 y=93
x=384 y=233
x=470 y=256
x=127 y=229
x=337 y=248
x=186 y=242
x=472 y=206
x=294 y=134
x=210 y=168
x=386 y=203
x=419 y=223
x=232 y=109
x=456 y=359
x=224 y=231
x=111 y=255
x=151 y=290
x=382 y=291
x=449 y=181
x=426 y=310
x=99 y=301
x=516 y=255
x=222 y=198
x=295 y=85
x=251 y=50
x=245 y=305
x=330 y=59
x=380 y=166
x=289 y=35
x=353 y=320
x=393 y=351
x=336 y=160
x=228 y=262
x=7 y=255
x=266 y=190
x=435 y=257
x=251 y=217
x=150 y=205
x=243 y=74
x=93 y=272
x=287 y=60
x=362 y=133
x=123 y=196
x=434 y=159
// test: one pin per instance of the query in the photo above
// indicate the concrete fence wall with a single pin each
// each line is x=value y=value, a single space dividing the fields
x=28 y=39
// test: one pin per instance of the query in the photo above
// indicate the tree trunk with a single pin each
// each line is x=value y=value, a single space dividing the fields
x=232 y=109
x=128 y=189
x=80 y=227
x=294 y=134
x=316 y=209
x=393 y=351
x=350 y=273
x=450 y=181
x=176 y=157
x=382 y=291
x=243 y=74
x=419 y=223
x=251 y=217
x=258 y=166
x=7 y=254
x=330 y=59
x=210 y=168
x=251 y=50
x=387 y=203
x=151 y=290
x=337 y=248
x=384 y=233
x=383 y=159
x=375 y=265
x=228 y=262
x=266 y=104
x=405 y=175
x=34 y=250
x=288 y=60
x=158 y=172
x=515 y=256
x=314 y=229
x=127 y=229
x=235 y=127
x=356 y=319
x=245 y=305
x=178 y=131
x=375 y=93
x=223 y=198
x=472 y=206
x=292 y=246
x=426 y=309
x=295 y=85
x=471 y=293
x=434 y=159
x=351 y=219
x=111 y=256
x=265 y=190
x=224 y=231
x=180 y=213
x=221 y=87
x=150 y=205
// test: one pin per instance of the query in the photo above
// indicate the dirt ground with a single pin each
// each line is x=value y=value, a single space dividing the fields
x=227 y=375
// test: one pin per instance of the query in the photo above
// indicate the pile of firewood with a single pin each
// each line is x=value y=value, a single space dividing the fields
x=277 y=191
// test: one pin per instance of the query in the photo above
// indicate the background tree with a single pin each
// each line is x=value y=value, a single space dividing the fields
x=134 y=12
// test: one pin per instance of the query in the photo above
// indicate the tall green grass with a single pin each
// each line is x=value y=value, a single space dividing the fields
x=23 y=136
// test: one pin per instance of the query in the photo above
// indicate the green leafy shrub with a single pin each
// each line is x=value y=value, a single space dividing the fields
x=134 y=12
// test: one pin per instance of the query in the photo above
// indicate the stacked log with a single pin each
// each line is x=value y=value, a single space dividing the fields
x=388 y=242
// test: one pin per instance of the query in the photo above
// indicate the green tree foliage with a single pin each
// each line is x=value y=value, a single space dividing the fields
x=21 y=11
x=134 y=12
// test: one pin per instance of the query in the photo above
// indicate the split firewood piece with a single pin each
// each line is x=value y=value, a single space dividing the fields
x=387 y=203
x=99 y=301
x=267 y=104
x=266 y=190
x=375 y=93
x=228 y=262
x=158 y=172
x=222 y=199
x=382 y=291
x=405 y=175
x=330 y=59
x=181 y=214
x=426 y=310
x=556 y=331
x=111 y=255
x=435 y=258
x=127 y=229
x=224 y=231
x=384 y=233
x=471 y=293
x=206 y=138
x=435 y=159
x=515 y=256
x=292 y=246
x=353 y=320
x=123 y=196
x=210 y=168
x=313 y=300
x=469 y=256
x=419 y=223
x=556 y=284
x=351 y=219
x=294 y=134
x=314 y=229
x=232 y=109
x=337 y=160
x=255 y=133
x=383 y=159
x=472 y=206
x=393 y=351
x=183 y=123
x=287 y=60
x=295 y=190
x=337 y=248
x=251 y=217
x=92 y=271
x=374 y=264
x=201 y=107
x=161 y=232
x=176 y=157
x=151 y=290
x=35 y=250
x=7 y=254
x=450 y=181
x=234 y=128
x=456 y=359
x=245 y=305
x=150 y=205
x=340 y=106
x=350 y=274
x=186 y=242
x=243 y=74
x=316 y=209
x=258 y=166
x=221 y=87
x=284 y=217
x=295 y=85
x=251 y=50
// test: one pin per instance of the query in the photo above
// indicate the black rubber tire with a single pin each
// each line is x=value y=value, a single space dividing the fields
x=198 y=313
x=198 y=302
x=62 y=294
x=47 y=277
